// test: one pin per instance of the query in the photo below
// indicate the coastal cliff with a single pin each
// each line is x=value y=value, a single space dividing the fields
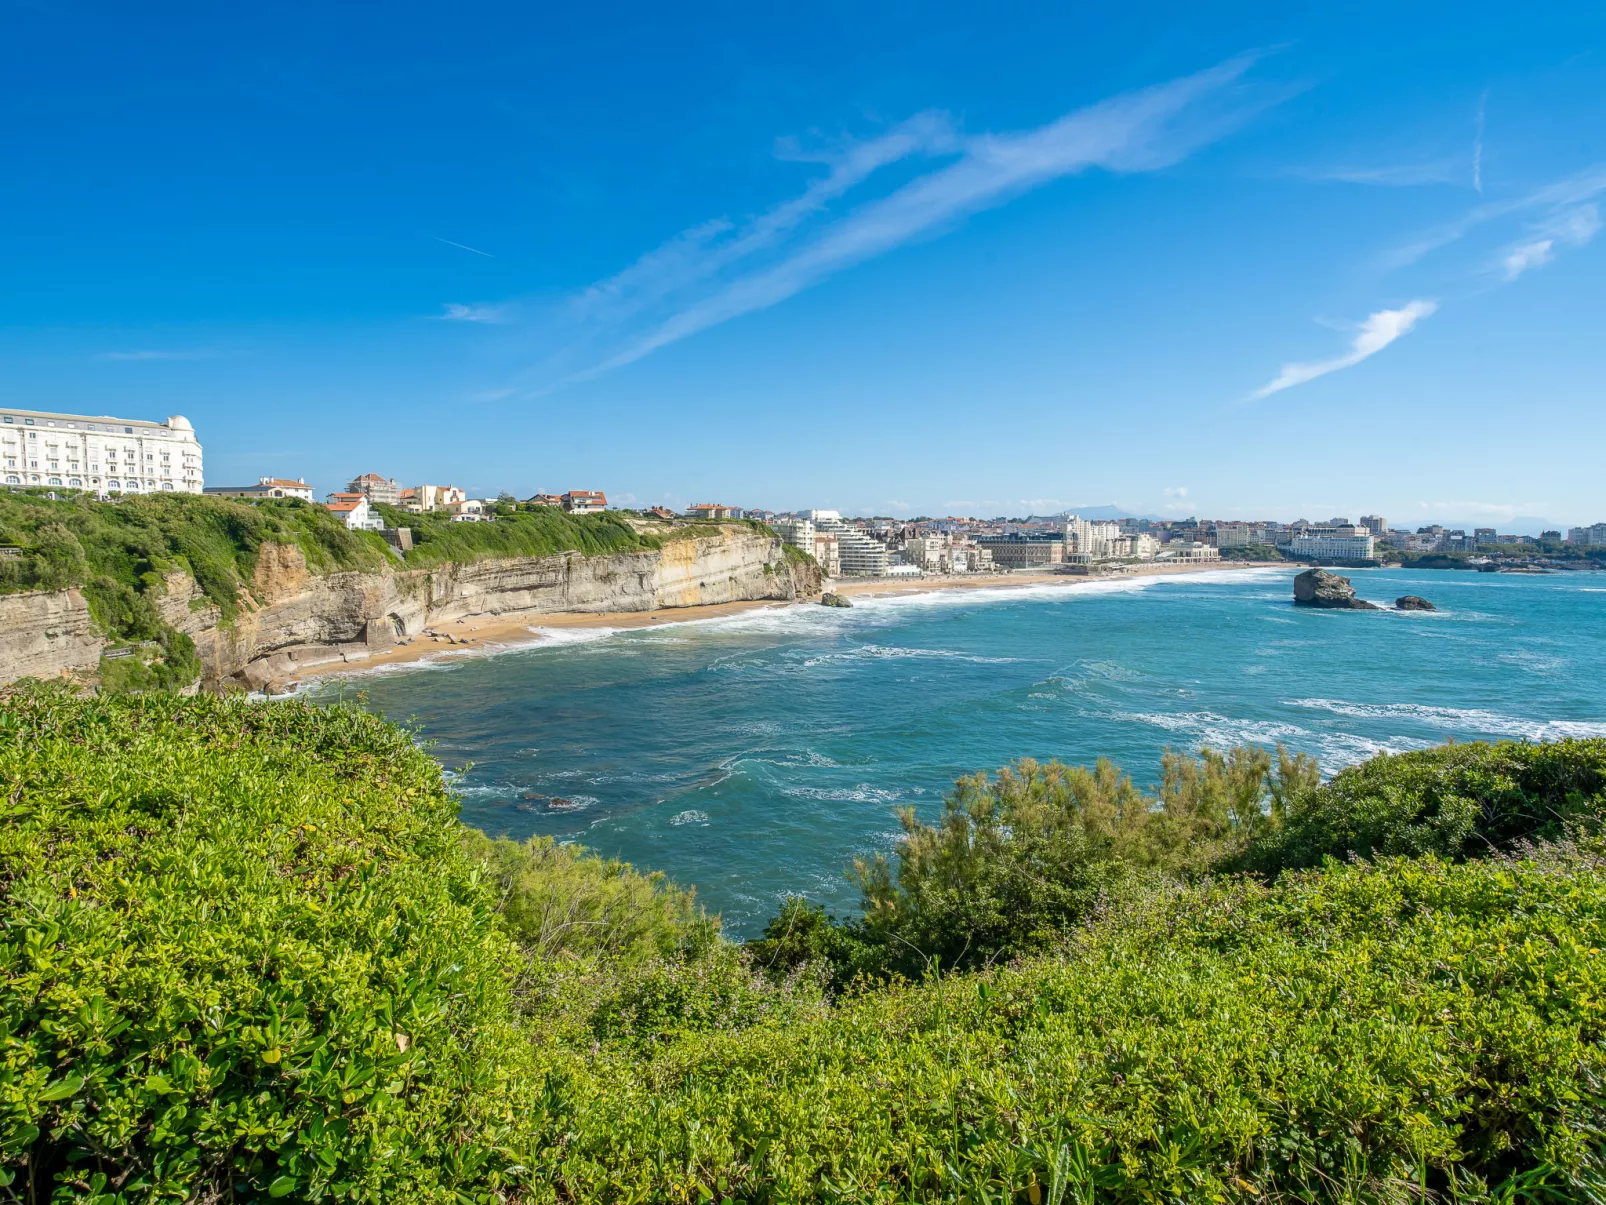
x=290 y=619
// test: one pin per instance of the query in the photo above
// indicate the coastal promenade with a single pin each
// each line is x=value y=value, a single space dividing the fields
x=484 y=636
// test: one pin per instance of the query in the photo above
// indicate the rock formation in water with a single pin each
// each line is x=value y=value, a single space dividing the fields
x=1413 y=602
x=833 y=600
x=1319 y=588
x=293 y=619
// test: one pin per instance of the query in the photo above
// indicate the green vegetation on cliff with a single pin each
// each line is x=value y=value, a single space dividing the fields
x=120 y=552
x=248 y=953
x=132 y=541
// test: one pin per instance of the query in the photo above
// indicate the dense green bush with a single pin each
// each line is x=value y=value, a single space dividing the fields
x=1456 y=801
x=243 y=955
x=561 y=901
x=1018 y=859
x=1364 y=1033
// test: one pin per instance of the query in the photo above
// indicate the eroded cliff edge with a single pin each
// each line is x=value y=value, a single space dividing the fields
x=292 y=619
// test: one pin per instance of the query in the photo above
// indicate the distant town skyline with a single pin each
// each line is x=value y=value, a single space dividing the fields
x=1247 y=262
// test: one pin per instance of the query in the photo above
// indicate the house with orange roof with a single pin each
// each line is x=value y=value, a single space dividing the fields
x=353 y=510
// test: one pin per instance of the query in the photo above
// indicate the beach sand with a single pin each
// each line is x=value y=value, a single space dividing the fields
x=482 y=634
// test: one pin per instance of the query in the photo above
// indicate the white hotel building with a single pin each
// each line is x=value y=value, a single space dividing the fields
x=98 y=453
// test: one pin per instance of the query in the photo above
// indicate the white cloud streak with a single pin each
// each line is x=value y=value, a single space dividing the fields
x=1376 y=333
x=457 y=312
x=1570 y=228
x=719 y=271
x=462 y=246
x=1555 y=198
x=151 y=354
x=1477 y=144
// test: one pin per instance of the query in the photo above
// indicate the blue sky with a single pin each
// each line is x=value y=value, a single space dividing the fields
x=1232 y=260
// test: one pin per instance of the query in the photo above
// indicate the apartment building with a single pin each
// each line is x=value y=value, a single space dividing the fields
x=99 y=453
x=1332 y=545
x=421 y=499
x=378 y=490
x=1024 y=552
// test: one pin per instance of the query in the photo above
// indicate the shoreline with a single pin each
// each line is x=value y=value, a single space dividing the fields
x=489 y=634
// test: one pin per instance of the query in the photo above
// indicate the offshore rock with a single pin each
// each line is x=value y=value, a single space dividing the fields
x=833 y=600
x=1413 y=602
x=1319 y=588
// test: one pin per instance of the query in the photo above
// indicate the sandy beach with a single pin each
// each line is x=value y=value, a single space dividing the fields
x=482 y=634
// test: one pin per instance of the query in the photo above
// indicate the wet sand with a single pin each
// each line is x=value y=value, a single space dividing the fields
x=482 y=634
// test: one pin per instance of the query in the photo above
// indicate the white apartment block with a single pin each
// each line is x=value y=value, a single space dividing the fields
x=1332 y=547
x=799 y=533
x=1239 y=535
x=1592 y=536
x=98 y=453
x=859 y=555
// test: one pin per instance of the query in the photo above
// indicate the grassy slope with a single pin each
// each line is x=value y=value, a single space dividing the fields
x=247 y=945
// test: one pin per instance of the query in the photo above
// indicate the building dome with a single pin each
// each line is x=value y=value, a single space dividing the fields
x=178 y=422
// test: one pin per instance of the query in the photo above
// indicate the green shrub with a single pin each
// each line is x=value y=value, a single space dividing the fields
x=1362 y=1033
x=244 y=955
x=1456 y=801
x=170 y=663
x=561 y=901
x=1019 y=860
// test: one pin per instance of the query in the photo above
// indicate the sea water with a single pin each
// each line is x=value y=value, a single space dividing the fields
x=755 y=755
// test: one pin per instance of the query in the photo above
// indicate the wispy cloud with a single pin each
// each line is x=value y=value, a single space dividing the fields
x=704 y=251
x=157 y=354
x=1376 y=333
x=720 y=269
x=1477 y=143
x=456 y=312
x=1572 y=228
x=1445 y=170
x=1553 y=200
x=1175 y=491
x=462 y=246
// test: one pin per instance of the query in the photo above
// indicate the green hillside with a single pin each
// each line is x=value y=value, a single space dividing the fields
x=249 y=953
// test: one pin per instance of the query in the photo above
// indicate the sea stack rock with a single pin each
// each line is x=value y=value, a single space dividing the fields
x=1413 y=602
x=833 y=600
x=1319 y=588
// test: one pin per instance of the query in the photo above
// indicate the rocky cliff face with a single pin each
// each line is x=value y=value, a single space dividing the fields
x=295 y=620
x=46 y=635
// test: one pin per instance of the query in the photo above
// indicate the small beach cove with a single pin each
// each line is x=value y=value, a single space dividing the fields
x=488 y=635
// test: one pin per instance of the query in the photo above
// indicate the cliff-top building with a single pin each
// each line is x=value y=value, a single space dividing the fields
x=375 y=488
x=99 y=453
x=266 y=487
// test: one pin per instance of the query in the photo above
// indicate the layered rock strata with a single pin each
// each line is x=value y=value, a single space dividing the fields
x=293 y=620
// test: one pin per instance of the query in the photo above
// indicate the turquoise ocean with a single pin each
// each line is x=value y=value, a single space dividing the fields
x=754 y=755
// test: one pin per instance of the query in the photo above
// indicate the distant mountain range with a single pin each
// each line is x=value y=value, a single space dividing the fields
x=1094 y=512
